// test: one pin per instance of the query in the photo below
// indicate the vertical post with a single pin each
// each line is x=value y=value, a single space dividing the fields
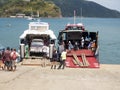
x=51 y=50
x=81 y=14
x=22 y=51
x=74 y=16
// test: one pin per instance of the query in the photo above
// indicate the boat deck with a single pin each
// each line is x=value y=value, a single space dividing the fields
x=75 y=59
x=81 y=59
x=36 y=62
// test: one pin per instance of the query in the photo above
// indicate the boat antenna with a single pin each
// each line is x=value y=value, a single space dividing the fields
x=74 y=16
x=39 y=20
x=81 y=15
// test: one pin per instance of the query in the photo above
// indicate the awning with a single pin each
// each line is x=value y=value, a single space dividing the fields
x=34 y=32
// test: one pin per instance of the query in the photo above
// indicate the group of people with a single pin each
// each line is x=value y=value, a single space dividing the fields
x=9 y=56
x=59 y=56
x=85 y=43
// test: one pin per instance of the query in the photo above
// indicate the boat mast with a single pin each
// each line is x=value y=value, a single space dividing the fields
x=31 y=12
x=74 y=16
x=81 y=15
x=38 y=14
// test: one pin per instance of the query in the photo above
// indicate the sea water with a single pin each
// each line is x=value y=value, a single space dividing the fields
x=108 y=28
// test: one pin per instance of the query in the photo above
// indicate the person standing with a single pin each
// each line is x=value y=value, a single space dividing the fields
x=26 y=51
x=82 y=42
x=63 y=59
x=60 y=50
x=70 y=46
x=54 y=59
x=3 y=57
x=76 y=46
x=93 y=45
x=14 y=55
x=7 y=58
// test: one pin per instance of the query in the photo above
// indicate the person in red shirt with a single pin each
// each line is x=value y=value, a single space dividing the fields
x=7 y=57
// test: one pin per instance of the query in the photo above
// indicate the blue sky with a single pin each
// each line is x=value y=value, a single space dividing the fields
x=112 y=4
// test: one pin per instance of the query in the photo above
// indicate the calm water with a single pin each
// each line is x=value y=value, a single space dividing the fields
x=109 y=33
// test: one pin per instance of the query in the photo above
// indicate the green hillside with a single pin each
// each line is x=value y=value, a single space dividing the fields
x=55 y=8
x=13 y=7
x=89 y=9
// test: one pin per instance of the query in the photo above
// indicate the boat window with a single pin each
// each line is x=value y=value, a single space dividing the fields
x=73 y=35
x=92 y=35
x=74 y=28
x=40 y=28
x=37 y=44
x=60 y=35
x=33 y=27
x=22 y=41
x=64 y=36
x=85 y=34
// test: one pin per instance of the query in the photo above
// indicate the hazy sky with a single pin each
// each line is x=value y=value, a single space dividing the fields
x=112 y=4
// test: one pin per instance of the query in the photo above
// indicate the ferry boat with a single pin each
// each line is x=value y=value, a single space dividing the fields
x=30 y=18
x=81 y=45
x=35 y=41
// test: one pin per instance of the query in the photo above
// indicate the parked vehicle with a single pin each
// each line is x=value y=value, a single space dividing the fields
x=38 y=37
x=38 y=47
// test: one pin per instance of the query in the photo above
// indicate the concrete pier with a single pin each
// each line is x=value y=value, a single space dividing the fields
x=107 y=77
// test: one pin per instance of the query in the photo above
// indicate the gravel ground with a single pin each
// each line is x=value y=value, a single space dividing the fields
x=107 y=77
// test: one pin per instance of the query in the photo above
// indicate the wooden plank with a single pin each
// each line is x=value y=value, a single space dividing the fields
x=85 y=61
x=77 y=60
x=74 y=61
x=36 y=62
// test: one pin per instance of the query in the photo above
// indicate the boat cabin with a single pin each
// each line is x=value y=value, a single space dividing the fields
x=39 y=26
x=38 y=30
x=81 y=46
x=75 y=33
x=78 y=26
